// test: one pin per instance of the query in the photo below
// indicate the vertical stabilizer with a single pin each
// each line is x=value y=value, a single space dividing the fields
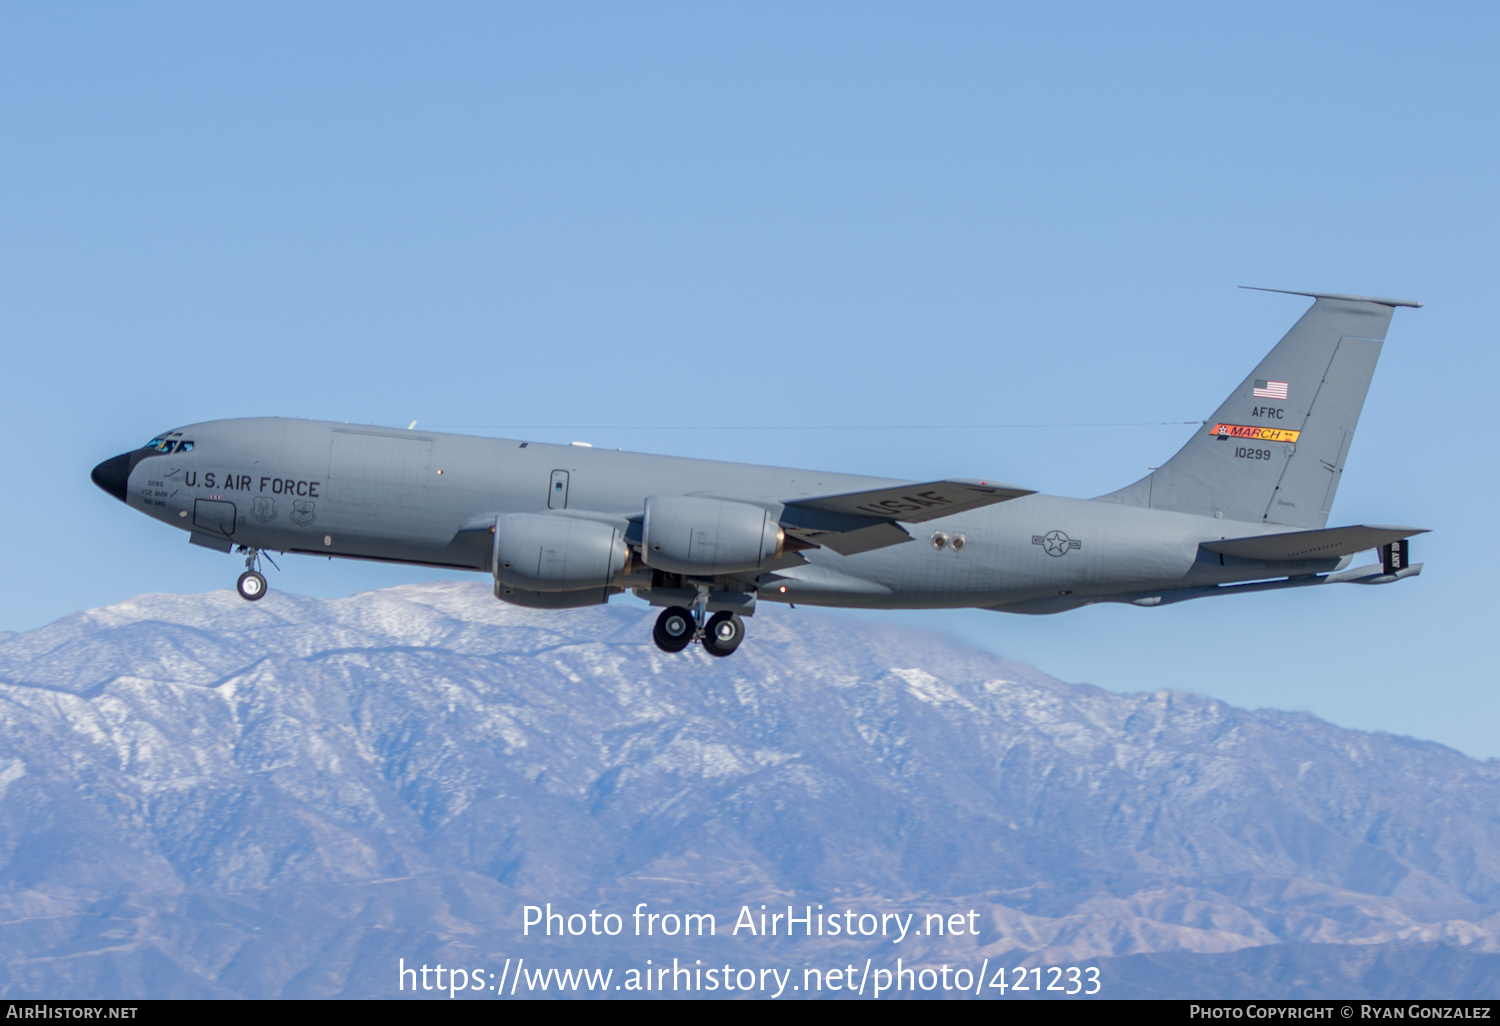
x=1274 y=451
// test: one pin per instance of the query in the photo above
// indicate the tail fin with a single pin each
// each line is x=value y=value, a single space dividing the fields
x=1274 y=451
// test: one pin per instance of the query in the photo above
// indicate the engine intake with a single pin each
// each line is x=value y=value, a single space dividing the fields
x=548 y=553
x=683 y=534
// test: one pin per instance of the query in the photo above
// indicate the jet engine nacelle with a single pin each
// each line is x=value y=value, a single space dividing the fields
x=549 y=553
x=553 y=599
x=683 y=534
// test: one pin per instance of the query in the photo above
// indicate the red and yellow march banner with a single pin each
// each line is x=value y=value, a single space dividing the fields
x=1261 y=434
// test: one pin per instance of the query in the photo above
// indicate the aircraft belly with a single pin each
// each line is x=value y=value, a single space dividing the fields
x=815 y=584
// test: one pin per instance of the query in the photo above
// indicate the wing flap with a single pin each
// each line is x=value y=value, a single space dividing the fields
x=877 y=535
x=1327 y=543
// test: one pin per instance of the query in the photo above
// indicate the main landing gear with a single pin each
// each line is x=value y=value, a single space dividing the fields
x=723 y=634
x=677 y=628
x=252 y=583
x=674 y=630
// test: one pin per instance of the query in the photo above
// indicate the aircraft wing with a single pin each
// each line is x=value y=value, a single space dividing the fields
x=1327 y=543
x=855 y=522
x=915 y=503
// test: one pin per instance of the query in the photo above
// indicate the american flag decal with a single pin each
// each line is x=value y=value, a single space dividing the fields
x=1269 y=389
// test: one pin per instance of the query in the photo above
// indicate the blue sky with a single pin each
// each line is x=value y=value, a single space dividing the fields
x=906 y=240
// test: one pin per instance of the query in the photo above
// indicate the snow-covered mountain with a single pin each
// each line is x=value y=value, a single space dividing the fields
x=203 y=796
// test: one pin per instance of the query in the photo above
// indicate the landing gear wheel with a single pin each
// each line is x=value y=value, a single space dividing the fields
x=674 y=629
x=723 y=634
x=251 y=586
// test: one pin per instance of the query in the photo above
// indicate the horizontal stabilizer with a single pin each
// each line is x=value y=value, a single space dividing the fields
x=1340 y=296
x=1327 y=543
x=914 y=503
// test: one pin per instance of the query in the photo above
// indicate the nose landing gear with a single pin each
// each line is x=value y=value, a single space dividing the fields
x=252 y=583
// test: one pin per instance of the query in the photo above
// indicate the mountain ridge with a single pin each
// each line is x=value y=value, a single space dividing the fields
x=179 y=752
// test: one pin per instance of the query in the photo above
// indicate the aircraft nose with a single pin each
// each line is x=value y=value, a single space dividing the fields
x=113 y=475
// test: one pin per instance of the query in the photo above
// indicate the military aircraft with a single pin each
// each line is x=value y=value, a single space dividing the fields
x=1242 y=507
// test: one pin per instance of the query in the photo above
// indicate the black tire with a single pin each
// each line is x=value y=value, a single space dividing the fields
x=723 y=634
x=251 y=586
x=674 y=629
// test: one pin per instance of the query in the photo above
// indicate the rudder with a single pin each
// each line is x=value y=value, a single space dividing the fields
x=1274 y=451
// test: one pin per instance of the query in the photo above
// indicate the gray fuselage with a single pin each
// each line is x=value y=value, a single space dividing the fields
x=408 y=496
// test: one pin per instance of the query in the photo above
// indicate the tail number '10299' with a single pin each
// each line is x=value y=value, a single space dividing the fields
x=1252 y=454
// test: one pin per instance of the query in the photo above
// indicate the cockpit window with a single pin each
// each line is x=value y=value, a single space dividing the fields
x=169 y=445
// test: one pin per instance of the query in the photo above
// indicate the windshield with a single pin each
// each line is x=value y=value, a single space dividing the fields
x=169 y=445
